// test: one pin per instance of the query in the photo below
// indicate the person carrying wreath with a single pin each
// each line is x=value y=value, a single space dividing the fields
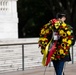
x=59 y=32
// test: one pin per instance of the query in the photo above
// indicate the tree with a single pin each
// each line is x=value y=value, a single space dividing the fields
x=33 y=14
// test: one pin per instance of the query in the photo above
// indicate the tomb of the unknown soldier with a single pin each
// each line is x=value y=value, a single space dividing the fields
x=8 y=19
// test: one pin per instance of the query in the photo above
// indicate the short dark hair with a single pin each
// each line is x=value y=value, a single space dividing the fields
x=60 y=15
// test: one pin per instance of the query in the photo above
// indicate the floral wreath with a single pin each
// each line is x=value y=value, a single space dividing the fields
x=66 y=37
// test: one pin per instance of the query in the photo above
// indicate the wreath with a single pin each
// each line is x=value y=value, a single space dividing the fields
x=65 y=32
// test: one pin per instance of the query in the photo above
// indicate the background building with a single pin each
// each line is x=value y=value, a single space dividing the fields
x=8 y=19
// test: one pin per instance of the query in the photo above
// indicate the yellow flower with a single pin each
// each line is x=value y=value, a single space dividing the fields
x=53 y=55
x=57 y=24
x=61 y=32
x=64 y=40
x=42 y=42
x=69 y=32
x=45 y=42
x=64 y=34
x=63 y=24
x=43 y=39
x=43 y=31
x=63 y=45
x=50 y=27
x=52 y=58
x=69 y=42
x=64 y=54
x=61 y=51
x=66 y=28
x=47 y=31
x=67 y=50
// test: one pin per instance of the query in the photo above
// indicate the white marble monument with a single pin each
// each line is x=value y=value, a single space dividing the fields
x=8 y=19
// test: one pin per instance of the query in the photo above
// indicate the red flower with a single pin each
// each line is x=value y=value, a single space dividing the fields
x=45 y=36
x=67 y=47
x=53 y=21
x=66 y=53
x=58 y=56
x=59 y=46
x=65 y=43
x=46 y=40
x=61 y=26
x=69 y=37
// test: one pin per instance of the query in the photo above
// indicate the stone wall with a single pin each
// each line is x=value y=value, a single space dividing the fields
x=8 y=19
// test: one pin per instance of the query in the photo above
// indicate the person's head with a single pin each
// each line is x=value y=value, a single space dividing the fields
x=61 y=16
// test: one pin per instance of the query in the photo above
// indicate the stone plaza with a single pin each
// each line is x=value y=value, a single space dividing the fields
x=11 y=56
x=70 y=69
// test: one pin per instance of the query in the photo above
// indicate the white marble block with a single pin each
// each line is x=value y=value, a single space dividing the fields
x=8 y=19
